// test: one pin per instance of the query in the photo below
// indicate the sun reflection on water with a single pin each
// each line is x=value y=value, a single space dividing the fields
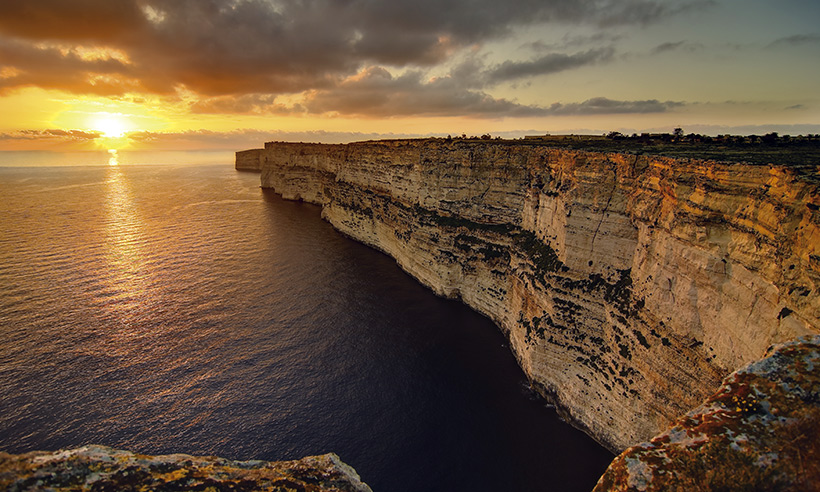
x=128 y=267
x=114 y=159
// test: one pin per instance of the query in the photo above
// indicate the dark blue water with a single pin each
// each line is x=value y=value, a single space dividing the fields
x=181 y=308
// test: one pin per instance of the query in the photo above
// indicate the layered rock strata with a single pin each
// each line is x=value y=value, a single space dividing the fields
x=249 y=160
x=759 y=431
x=629 y=285
x=103 y=468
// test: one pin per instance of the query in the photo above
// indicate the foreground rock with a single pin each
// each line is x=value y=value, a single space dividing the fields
x=102 y=468
x=629 y=285
x=760 y=431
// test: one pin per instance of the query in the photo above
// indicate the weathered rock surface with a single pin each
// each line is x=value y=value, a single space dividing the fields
x=249 y=160
x=629 y=285
x=760 y=431
x=103 y=468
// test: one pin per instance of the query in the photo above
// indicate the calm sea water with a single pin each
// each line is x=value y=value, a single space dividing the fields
x=180 y=308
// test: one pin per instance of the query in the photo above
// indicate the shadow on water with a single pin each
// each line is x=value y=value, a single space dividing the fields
x=443 y=394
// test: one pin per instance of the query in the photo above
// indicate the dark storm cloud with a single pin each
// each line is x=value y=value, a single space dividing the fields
x=602 y=105
x=253 y=50
x=473 y=72
x=239 y=46
x=99 y=21
x=547 y=64
x=676 y=46
x=667 y=47
x=574 y=41
x=796 y=40
x=375 y=93
x=646 y=12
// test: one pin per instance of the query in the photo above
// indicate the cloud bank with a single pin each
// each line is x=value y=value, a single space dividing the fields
x=353 y=57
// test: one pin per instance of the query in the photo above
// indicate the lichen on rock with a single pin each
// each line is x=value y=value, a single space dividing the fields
x=102 y=468
x=759 y=431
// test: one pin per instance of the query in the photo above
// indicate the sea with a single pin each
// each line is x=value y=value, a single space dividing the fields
x=162 y=302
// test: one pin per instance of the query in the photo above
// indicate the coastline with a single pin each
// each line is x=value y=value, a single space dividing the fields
x=515 y=232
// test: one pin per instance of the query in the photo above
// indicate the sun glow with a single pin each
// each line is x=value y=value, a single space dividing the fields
x=110 y=126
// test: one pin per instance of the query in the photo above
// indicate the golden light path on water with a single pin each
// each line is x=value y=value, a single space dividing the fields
x=128 y=268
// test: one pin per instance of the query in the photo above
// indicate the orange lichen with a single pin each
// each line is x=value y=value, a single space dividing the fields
x=758 y=432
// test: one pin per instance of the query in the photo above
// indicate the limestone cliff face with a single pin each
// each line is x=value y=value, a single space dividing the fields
x=629 y=286
x=104 y=468
x=249 y=160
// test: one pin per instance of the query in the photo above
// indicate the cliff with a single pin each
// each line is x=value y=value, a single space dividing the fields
x=629 y=285
x=757 y=432
x=103 y=468
x=249 y=160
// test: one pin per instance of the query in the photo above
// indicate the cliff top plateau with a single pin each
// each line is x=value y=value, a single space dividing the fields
x=801 y=151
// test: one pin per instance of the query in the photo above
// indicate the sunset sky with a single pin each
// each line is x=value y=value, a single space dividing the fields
x=231 y=74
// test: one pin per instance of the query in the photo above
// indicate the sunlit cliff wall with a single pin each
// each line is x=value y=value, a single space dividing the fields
x=629 y=286
x=249 y=160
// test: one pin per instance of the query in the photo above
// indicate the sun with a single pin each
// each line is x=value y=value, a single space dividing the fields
x=112 y=129
x=111 y=126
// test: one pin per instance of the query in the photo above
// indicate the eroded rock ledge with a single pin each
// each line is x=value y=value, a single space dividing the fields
x=759 y=431
x=104 y=468
x=629 y=285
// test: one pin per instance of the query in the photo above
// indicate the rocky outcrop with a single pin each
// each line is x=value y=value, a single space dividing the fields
x=758 y=432
x=103 y=468
x=629 y=285
x=249 y=160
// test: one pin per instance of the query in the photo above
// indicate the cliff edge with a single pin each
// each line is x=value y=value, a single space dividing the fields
x=629 y=285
